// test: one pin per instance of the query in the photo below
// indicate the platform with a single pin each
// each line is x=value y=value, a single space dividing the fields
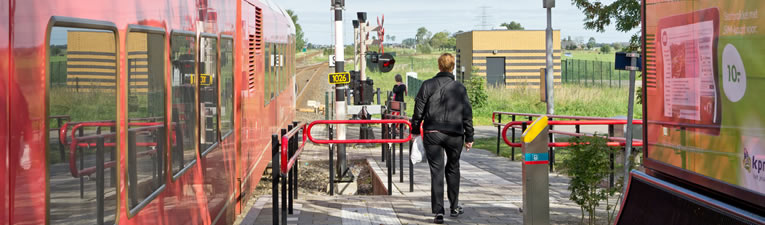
x=490 y=192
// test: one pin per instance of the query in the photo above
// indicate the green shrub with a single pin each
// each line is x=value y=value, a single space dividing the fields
x=424 y=49
x=476 y=89
x=588 y=165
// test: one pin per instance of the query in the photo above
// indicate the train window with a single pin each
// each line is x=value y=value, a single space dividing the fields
x=82 y=75
x=208 y=92
x=267 y=75
x=226 y=86
x=146 y=139
x=183 y=83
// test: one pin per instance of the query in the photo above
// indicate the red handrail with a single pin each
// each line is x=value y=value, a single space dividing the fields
x=359 y=141
x=285 y=167
x=581 y=122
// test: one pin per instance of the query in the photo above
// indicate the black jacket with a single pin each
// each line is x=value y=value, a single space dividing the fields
x=447 y=111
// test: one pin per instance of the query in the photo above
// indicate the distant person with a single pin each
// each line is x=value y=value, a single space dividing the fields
x=399 y=91
x=443 y=108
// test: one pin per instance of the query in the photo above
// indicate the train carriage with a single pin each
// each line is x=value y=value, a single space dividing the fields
x=139 y=112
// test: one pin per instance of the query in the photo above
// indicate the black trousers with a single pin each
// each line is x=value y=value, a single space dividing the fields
x=435 y=145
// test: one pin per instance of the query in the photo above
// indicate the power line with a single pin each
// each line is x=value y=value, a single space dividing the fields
x=484 y=18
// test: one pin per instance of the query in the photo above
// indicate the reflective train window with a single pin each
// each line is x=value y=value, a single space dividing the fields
x=226 y=86
x=267 y=75
x=184 y=125
x=146 y=142
x=82 y=164
x=208 y=93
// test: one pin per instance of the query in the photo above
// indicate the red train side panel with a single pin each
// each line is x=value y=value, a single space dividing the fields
x=208 y=189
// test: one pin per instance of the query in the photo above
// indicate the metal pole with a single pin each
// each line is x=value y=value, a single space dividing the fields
x=290 y=176
x=499 y=133
x=284 y=185
x=611 y=158
x=100 y=180
x=275 y=176
x=340 y=89
x=549 y=71
x=630 y=109
x=512 y=149
x=297 y=162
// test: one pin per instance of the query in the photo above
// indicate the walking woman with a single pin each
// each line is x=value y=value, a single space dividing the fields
x=443 y=108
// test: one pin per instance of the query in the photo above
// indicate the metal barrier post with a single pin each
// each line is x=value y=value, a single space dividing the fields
x=331 y=165
x=512 y=149
x=551 y=150
x=383 y=147
x=297 y=162
x=411 y=169
x=284 y=189
x=611 y=158
x=401 y=152
x=290 y=175
x=275 y=173
x=536 y=202
x=113 y=155
x=393 y=149
x=499 y=127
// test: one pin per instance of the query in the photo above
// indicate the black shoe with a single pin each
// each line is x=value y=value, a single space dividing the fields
x=456 y=212
x=439 y=219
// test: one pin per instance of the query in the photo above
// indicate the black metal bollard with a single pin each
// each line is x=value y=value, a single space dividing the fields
x=284 y=189
x=331 y=164
x=401 y=153
x=512 y=149
x=297 y=162
x=551 y=150
x=275 y=176
x=393 y=148
x=290 y=175
x=499 y=131
x=611 y=158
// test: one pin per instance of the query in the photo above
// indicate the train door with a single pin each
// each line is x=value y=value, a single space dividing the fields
x=4 y=96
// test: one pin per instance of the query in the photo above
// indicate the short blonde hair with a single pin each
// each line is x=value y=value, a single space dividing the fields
x=446 y=62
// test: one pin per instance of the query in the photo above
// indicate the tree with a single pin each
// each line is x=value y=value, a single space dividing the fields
x=409 y=42
x=392 y=38
x=605 y=49
x=513 y=25
x=591 y=43
x=617 y=46
x=299 y=35
x=423 y=35
x=439 y=40
x=625 y=13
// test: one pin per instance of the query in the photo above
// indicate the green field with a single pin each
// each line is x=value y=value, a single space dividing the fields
x=588 y=55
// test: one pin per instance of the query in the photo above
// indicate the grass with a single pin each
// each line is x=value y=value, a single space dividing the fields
x=571 y=100
x=589 y=55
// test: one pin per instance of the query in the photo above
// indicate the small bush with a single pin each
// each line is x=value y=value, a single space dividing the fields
x=588 y=165
x=476 y=89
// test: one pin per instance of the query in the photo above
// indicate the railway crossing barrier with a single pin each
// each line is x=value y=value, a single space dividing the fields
x=286 y=151
x=566 y=120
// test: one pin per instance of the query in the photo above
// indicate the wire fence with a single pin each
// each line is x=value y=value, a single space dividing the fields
x=593 y=73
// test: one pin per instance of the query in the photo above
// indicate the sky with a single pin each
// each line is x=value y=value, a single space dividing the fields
x=403 y=17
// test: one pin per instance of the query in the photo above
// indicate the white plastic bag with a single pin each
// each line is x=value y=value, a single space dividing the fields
x=418 y=149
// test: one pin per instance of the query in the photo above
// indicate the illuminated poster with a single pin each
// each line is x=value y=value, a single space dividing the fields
x=705 y=94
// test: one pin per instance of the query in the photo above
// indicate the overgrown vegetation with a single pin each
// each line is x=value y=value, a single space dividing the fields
x=588 y=165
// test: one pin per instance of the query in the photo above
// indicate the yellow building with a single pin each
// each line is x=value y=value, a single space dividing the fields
x=506 y=57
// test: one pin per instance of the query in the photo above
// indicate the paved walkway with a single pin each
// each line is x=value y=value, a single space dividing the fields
x=490 y=192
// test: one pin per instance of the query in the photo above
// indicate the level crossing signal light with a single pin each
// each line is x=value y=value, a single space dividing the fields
x=384 y=61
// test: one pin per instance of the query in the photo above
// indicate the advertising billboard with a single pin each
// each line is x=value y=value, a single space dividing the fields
x=704 y=89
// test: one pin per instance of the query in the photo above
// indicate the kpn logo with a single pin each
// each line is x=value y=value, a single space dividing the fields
x=753 y=164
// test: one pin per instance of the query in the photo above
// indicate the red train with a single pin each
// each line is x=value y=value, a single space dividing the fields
x=141 y=111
